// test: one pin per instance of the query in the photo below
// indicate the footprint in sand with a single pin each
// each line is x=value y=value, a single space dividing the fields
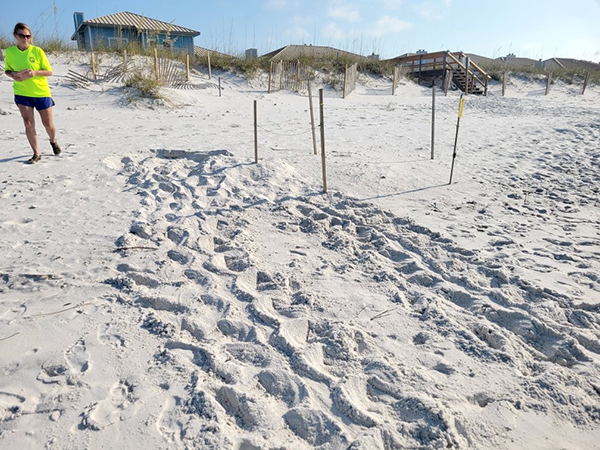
x=78 y=357
x=116 y=407
x=107 y=335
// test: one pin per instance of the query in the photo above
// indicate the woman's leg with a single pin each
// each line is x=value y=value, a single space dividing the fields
x=29 y=120
x=46 y=115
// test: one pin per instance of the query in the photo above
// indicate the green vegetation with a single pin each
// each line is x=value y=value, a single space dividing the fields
x=575 y=75
x=6 y=42
x=247 y=67
x=332 y=67
x=146 y=86
x=50 y=45
x=55 y=45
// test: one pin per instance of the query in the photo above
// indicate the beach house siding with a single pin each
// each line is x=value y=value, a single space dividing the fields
x=121 y=29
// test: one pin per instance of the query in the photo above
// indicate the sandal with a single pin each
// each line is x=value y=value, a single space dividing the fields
x=34 y=159
x=55 y=148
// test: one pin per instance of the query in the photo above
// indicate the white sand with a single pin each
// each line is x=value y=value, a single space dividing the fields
x=159 y=290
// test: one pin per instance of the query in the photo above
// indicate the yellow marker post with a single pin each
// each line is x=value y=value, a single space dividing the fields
x=461 y=108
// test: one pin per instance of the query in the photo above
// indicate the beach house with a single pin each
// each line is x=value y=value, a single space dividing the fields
x=122 y=29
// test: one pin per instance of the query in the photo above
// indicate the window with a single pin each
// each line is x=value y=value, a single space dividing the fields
x=115 y=42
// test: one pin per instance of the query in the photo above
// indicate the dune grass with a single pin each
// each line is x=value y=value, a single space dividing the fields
x=333 y=65
x=574 y=75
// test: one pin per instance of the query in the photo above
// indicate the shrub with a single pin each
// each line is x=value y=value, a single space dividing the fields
x=147 y=86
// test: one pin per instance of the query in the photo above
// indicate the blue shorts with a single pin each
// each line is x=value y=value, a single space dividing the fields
x=39 y=103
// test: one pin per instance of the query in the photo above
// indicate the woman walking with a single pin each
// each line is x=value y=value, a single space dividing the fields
x=28 y=66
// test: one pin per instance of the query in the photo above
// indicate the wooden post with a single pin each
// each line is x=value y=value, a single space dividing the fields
x=445 y=64
x=155 y=63
x=270 y=76
x=585 y=82
x=125 y=60
x=467 y=81
x=312 y=118
x=448 y=82
x=445 y=72
x=432 y=119
x=323 y=141
x=219 y=86
x=255 y=134
x=187 y=67
x=503 y=83
x=298 y=75
x=209 y=67
x=281 y=73
x=94 y=65
x=394 y=80
x=461 y=106
x=548 y=82
x=345 y=82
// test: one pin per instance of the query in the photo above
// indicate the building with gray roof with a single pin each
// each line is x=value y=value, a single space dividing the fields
x=119 y=30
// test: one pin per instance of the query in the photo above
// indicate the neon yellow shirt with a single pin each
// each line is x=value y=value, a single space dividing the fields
x=33 y=58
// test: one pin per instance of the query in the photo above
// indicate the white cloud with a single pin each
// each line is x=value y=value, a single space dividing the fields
x=281 y=4
x=392 y=4
x=333 y=32
x=344 y=12
x=427 y=12
x=298 y=34
x=434 y=9
x=388 y=24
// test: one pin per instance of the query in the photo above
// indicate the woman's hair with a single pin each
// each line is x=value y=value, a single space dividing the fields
x=21 y=26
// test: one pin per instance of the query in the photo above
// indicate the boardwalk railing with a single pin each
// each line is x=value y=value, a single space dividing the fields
x=466 y=75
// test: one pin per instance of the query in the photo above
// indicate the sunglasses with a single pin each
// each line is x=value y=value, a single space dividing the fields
x=24 y=36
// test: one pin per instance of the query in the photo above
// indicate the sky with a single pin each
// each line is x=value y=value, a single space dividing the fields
x=537 y=29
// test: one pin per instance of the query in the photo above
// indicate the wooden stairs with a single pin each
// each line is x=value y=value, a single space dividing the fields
x=454 y=69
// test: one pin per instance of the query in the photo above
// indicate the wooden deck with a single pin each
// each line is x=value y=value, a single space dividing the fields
x=451 y=67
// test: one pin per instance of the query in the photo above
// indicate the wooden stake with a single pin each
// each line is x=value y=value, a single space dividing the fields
x=270 y=76
x=187 y=67
x=209 y=67
x=503 y=83
x=219 y=86
x=432 y=119
x=460 y=113
x=255 y=134
x=345 y=81
x=312 y=118
x=585 y=82
x=125 y=61
x=448 y=81
x=94 y=65
x=323 y=141
x=281 y=73
x=467 y=81
x=155 y=63
x=548 y=82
